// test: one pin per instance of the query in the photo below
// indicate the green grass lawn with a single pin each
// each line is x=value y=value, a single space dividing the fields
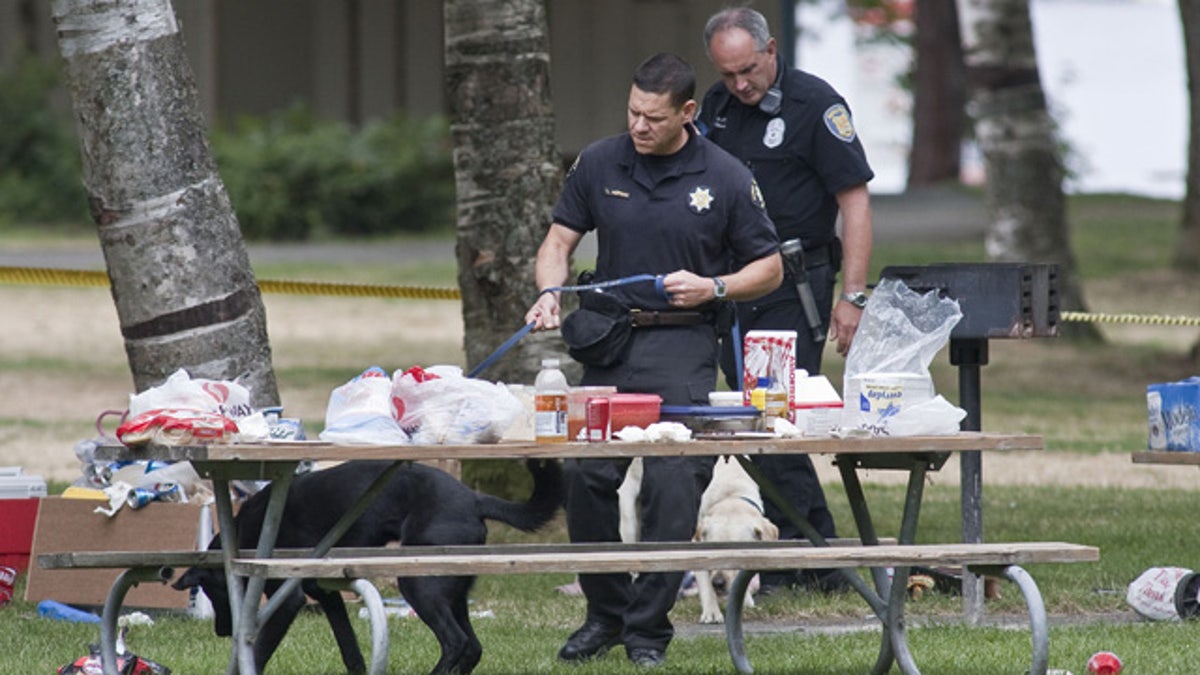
x=524 y=621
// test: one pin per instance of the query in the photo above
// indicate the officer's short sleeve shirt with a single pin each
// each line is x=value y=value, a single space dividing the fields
x=801 y=156
x=698 y=210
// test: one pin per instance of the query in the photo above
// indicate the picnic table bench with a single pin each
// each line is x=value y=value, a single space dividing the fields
x=277 y=462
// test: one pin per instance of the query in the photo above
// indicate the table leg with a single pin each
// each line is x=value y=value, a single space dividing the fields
x=112 y=610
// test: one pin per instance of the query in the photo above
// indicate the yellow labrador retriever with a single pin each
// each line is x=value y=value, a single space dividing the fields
x=730 y=510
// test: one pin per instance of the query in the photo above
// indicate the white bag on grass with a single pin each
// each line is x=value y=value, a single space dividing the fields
x=1153 y=593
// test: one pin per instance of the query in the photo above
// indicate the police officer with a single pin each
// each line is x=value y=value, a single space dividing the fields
x=794 y=131
x=662 y=200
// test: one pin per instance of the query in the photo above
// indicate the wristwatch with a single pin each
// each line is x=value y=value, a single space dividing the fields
x=857 y=298
x=719 y=288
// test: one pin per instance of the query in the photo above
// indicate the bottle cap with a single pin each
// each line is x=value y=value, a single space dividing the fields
x=764 y=382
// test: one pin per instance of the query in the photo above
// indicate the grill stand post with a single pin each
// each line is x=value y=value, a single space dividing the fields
x=969 y=354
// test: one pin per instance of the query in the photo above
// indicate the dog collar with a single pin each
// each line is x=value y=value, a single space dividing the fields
x=753 y=503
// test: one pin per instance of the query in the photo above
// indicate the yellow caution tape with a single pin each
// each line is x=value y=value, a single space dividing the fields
x=42 y=276
x=1151 y=319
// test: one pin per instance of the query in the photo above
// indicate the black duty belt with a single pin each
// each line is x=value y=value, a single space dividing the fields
x=818 y=256
x=643 y=318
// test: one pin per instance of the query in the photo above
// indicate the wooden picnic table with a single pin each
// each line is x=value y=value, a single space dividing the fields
x=917 y=455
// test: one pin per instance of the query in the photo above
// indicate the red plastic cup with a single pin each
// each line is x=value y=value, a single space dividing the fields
x=1104 y=663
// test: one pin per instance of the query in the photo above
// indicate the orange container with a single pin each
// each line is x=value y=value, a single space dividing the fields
x=634 y=410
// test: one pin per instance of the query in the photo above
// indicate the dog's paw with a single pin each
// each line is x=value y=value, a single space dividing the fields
x=714 y=616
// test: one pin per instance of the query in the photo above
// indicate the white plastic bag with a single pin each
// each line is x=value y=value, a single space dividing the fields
x=887 y=370
x=1153 y=593
x=181 y=392
x=439 y=406
x=361 y=411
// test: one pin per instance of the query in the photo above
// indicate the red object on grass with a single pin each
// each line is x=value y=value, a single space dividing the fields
x=1104 y=663
x=17 y=520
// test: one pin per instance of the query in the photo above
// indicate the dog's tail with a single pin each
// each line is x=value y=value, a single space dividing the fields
x=542 y=504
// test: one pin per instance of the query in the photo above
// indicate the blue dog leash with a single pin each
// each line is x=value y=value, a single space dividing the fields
x=516 y=337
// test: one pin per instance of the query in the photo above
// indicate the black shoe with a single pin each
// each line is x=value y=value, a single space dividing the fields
x=591 y=640
x=647 y=657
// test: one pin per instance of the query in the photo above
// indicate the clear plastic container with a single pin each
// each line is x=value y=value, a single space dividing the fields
x=550 y=403
x=775 y=404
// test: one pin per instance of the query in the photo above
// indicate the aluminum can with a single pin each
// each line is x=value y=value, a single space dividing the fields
x=139 y=497
x=598 y=419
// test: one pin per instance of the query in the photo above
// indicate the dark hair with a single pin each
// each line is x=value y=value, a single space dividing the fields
x=745 y=18
x=666 y=74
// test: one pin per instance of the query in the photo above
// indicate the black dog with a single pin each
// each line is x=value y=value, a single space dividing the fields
x=420 y=506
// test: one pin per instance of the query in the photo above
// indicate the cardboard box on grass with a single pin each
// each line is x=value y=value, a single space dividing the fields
x=71 y=525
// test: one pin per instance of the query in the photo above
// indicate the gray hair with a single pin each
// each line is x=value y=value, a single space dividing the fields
x=745 y=18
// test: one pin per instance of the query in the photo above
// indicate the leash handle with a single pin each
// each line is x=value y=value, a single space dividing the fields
x=516 y=337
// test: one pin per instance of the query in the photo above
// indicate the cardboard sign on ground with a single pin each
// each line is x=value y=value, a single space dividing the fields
x=72 y=525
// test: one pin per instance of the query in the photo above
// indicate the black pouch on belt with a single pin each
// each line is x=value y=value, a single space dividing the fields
x=597 y=334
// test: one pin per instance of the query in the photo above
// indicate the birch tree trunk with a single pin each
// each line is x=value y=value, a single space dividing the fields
x=1187 y=256
x=1023 y=194
x=181 y=279
x=507 y=171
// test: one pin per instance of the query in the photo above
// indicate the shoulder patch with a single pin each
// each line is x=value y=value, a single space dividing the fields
x=837 y=120
x=756 y=195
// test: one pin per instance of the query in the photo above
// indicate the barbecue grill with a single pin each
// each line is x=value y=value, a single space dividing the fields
x=998 y=301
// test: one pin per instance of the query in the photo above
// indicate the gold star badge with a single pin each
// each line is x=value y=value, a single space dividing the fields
x=700 y=199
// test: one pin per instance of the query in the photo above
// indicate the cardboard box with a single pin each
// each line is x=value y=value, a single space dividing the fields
x=17 y=520
x=769 y=353
x=1173 y=411
x=73 y=525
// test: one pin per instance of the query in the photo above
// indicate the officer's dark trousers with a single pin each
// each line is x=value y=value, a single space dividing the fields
x=679 y=364
x=794 y=475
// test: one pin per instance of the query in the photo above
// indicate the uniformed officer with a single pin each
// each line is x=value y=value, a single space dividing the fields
x=794 y=131
x=662 y=201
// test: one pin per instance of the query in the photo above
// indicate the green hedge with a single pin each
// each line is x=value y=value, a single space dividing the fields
x=40 y=175
x=291 y=176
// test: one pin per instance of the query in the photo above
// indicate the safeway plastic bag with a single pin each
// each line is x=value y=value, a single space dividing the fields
x=439 y=406
x=887 y=380
x=361 y=411
x=181 y=391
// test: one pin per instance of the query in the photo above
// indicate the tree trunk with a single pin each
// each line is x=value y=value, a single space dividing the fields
x=181 y=279
x=939 y=96
x=507 y=171
x=1187 y=256
x=1023 y=194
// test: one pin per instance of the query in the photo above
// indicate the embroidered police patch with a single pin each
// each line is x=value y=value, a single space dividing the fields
x=700 y=199
x=837 y=120
x=756 y=195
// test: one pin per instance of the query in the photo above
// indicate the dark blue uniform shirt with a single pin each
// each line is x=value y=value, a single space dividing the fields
x=697 y=210
x=801 y=157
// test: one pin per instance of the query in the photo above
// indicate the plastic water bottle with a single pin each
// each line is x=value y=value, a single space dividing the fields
x=550 y=403
x=775 y=404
